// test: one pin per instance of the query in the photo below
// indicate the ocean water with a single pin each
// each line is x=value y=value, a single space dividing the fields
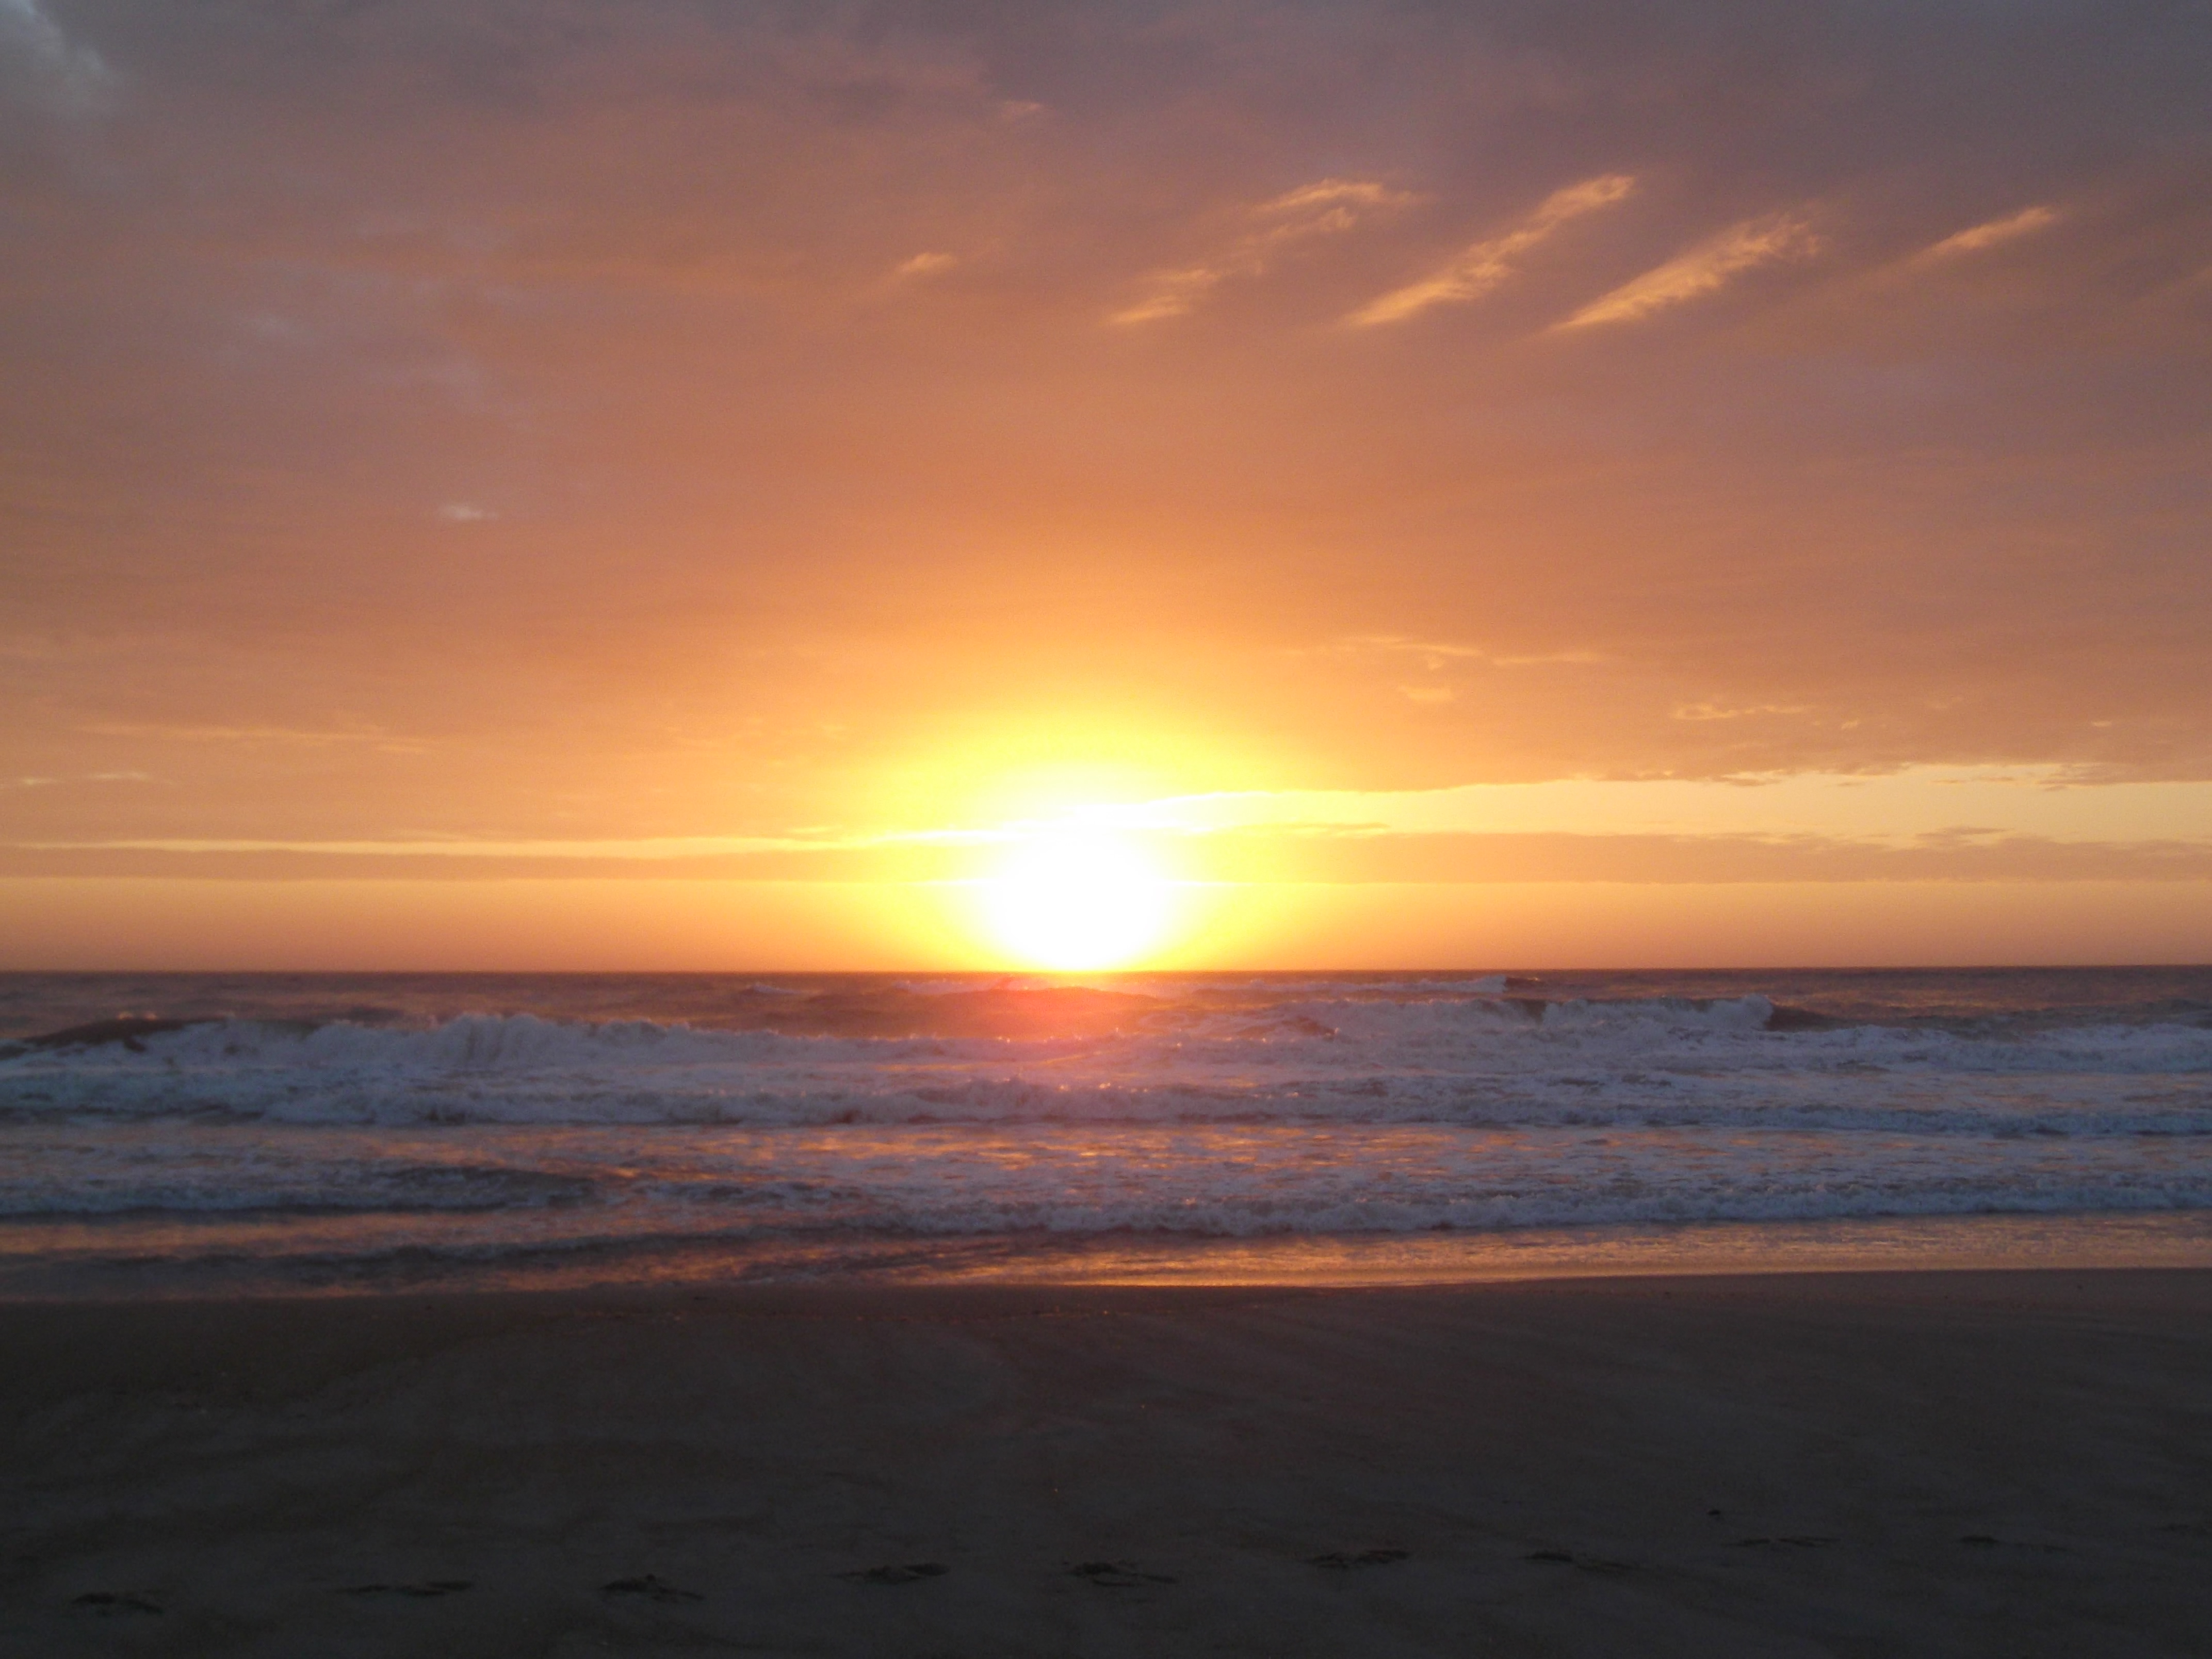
x=189 y=1132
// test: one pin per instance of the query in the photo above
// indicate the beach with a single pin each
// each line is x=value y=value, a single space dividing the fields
x=1608 y=1314
x=2003 y=1463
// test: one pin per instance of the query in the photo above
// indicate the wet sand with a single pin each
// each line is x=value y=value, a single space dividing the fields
x=2001 y=1463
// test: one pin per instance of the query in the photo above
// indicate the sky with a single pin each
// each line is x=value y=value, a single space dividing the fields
x=702 y=485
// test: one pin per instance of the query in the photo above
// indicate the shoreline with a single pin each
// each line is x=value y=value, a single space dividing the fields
x=2003 y=1462
x=89 y=1260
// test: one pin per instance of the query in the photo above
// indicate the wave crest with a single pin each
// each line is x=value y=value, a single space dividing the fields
x=1487 y=1061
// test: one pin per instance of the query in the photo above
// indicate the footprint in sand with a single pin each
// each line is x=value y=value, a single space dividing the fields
x=427 y=1590
x=1346 y=1560
x=1116 y=1575
x=650 y=1589
x=1803 y=1541
x=1586 y=1563
x=896 y=1574
x=109 y=1603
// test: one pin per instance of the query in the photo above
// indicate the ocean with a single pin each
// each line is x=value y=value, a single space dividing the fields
x=182 y=1133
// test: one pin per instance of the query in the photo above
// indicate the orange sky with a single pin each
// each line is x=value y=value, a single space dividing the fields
x=689 y=485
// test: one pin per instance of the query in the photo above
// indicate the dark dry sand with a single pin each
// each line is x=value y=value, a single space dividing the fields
x=1940 y=1463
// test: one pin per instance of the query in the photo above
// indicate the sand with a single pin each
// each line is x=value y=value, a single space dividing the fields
x=2014 y=1463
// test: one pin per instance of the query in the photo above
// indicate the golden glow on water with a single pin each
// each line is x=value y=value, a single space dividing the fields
x=1078 y=898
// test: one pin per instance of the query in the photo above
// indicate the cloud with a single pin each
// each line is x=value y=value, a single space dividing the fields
x=1336 y=195
x=1175 y=293
x=465 y=513
x=923 y=264
x=457 y=846
x=1435 y=652
x=1708 y=266
x=1328 y=207
x=1897 y=808
x=1436 y=655
x=1975 y=238
x=1714 y=711
x=42 y=782
x=71 y=74
x=1485 y=266
x=279 y=734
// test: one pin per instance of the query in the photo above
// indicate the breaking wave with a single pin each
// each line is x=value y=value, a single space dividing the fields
x=1475 y=1062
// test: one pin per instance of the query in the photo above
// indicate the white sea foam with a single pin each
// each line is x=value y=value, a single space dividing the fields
x=1317 y=1106
x=1478 y=1063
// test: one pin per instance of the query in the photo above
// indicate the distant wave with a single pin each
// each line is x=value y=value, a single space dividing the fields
x=1486 y=1061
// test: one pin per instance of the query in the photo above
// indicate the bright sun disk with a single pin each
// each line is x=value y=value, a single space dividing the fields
x=1077 y=899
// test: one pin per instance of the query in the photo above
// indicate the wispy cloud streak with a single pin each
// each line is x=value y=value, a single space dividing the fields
x=72 y=75
x=1975 y=238
x=1328 y=207
x=1892 y=807
x=1708 y=266
x=1484 y=266
x=276 y=734
x=923 y=264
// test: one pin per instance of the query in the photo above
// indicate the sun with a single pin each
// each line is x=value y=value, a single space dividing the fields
x=1077 y=898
